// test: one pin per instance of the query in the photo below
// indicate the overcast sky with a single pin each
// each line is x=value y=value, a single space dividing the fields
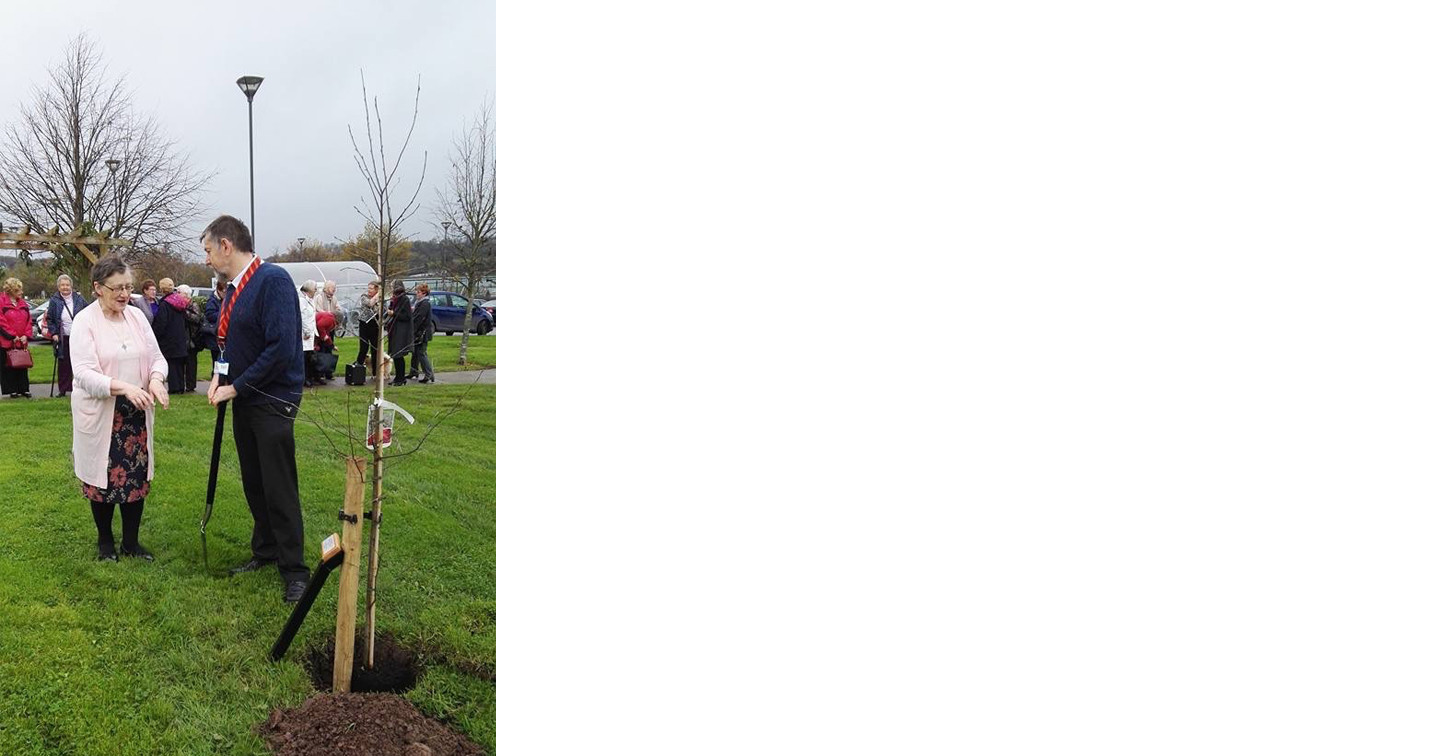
x=181 y=60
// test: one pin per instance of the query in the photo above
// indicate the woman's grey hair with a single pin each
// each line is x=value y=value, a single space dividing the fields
x=308 y=287
x=63 y=277
x=184 y=290
x=106 y=267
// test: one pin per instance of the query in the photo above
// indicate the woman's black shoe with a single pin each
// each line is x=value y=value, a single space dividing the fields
x=107 y=553
x=138 y=552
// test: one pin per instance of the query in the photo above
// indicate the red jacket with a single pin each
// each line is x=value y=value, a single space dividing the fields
x=14 y=320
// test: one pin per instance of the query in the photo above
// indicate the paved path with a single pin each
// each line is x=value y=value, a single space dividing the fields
x=42 y=390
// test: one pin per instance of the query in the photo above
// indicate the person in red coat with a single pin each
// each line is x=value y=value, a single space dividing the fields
x=325 y=323
x=14 y=334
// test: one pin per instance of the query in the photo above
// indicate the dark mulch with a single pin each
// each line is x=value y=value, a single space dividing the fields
x=361 y=723
x=395 y=669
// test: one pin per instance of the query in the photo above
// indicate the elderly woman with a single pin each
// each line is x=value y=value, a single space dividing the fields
x=14 y=334
x=368 y=313
x=212 y=321
x=307 y=330
x=171 y=333
x=399 y=331
x=59 y=319
x=119 y=377
x=194 y=320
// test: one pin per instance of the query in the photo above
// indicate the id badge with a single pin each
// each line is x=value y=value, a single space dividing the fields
x=222 y=368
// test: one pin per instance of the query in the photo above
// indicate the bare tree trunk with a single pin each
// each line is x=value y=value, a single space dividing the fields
x=377 y=467
x=465 y=332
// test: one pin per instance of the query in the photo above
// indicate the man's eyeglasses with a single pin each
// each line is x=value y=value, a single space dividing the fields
x=128 y=288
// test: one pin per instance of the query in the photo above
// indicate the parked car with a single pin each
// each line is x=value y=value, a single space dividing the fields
x=448 y=310
x=37 y=321
x=490 y=308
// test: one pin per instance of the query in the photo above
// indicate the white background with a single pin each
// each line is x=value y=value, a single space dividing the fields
x=980 y=379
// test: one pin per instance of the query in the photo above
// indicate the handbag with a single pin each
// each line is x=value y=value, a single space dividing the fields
x=326 y=362
x=19 y=359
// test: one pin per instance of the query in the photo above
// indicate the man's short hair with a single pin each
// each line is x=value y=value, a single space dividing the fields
x=106 y=267
x=229 y=227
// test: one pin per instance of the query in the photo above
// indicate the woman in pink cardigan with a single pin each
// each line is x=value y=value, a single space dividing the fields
x=119 y=377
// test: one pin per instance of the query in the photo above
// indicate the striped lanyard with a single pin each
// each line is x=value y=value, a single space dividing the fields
x=224 y=326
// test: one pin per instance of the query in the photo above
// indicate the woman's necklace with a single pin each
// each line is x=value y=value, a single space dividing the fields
x=122 y=333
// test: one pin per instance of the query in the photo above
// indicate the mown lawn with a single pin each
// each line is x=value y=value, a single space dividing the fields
x=137 y=658
x=444 y=356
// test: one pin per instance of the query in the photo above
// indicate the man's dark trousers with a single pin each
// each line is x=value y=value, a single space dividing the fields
x=265 y=444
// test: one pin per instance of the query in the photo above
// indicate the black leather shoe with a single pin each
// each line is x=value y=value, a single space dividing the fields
x=294 y=590
x=107 y=553
x=139 y=552
x=251 y=566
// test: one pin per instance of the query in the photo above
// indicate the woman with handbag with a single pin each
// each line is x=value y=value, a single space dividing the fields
x=14 y=340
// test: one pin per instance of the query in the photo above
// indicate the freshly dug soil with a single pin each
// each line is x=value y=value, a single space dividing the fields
x=394 y=671
x=360 y=723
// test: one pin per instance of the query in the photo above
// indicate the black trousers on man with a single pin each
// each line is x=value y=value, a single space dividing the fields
x=265 y=444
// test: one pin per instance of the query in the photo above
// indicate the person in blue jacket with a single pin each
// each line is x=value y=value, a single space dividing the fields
x=262 y=372
x=212 y=319
x=64 y=304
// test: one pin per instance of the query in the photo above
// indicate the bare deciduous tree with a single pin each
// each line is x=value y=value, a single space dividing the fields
x=467 y=203
x=379 y=213
x=53 y=170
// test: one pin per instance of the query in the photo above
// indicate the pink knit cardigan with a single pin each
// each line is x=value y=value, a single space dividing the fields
x=95 y=357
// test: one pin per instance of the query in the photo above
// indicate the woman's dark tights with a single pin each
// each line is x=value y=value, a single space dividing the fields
x=129 y=523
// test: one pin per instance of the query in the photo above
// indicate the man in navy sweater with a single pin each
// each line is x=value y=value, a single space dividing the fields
x=262 y=367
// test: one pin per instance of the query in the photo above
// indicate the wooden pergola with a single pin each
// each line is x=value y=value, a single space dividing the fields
x=91 y=246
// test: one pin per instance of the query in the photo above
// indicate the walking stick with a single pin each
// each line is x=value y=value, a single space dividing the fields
x=55 y=365
x=214 y=470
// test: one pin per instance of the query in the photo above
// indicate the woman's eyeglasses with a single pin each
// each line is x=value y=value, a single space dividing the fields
x=127 y=288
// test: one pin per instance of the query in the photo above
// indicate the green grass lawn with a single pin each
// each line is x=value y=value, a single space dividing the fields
x=444 y=356
x=137 y=658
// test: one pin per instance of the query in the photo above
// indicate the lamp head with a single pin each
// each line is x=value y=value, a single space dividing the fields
x=249 y=85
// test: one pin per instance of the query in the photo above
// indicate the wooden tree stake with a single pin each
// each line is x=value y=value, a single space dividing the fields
x=350 y=533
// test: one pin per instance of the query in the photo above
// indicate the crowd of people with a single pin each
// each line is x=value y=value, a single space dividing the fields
x=183 y=328
x=122 y=353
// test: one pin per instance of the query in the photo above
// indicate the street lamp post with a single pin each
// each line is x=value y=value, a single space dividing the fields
x=250 y=85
